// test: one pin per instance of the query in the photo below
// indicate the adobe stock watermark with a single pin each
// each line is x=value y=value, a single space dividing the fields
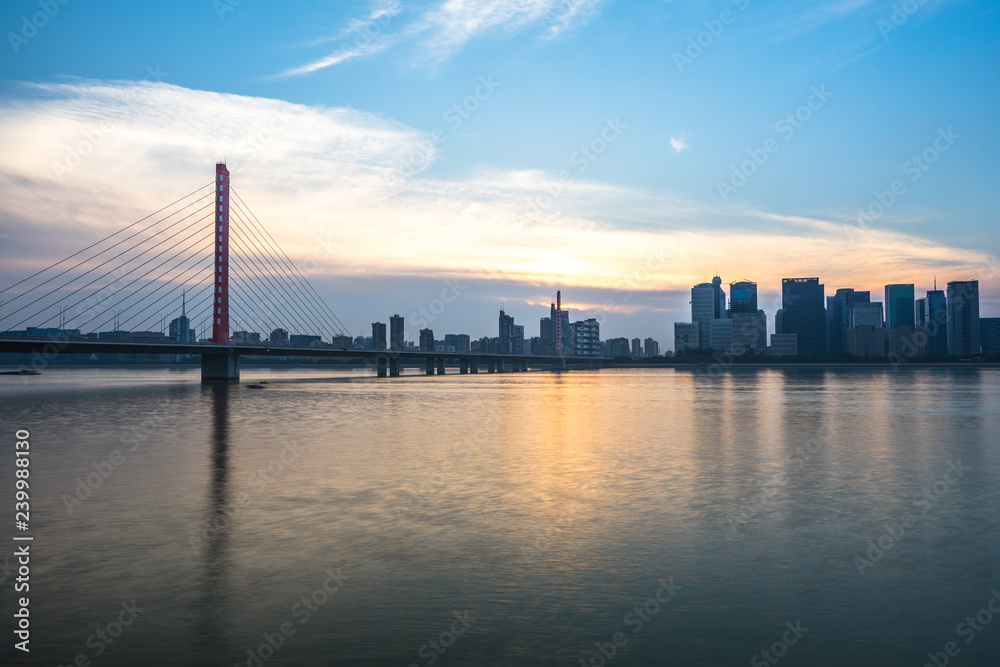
x=104 y=637
x=30 y=26
x=926 y=500
x=779 y=649
x=635 y=620
x=223 y=7
x=94 y=137
x=427 y=315
x=302 y=611
x=581 y=158
x=260 y=138
x=786 y=126
x=130 y=440
x=755 y=503
x=914 y=168
x=714 y=28
x=438 y=646
x=967 y=629
x=258 y=482
x=901 y=13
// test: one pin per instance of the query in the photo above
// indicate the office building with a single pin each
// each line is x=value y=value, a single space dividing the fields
x=989 y=334
x=963 y=317
x=742 y=297
x=303 y=340
x=936 y=323
x=378 y=336
x=899 y=306
x=246 y=337
x=839 y=309
x=686 y=336
x=617 y=347
x=506 y=333
x=708 y=302
x=783 y=345
x=804 y=313
x=278 y=337
x=517 y=342
x=396 y=333
x=720 y=334
x=867 y=315
x=749 y=332
x=456 y=342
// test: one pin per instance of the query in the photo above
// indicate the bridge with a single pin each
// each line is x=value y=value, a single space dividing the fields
x=154 y=264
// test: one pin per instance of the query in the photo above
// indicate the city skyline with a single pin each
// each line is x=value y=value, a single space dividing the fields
x=398 y=144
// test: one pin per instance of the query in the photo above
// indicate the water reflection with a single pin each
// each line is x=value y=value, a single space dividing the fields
x=214 y=614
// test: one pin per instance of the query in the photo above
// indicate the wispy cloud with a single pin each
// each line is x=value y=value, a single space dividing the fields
x=445 y=28
x=679 y=144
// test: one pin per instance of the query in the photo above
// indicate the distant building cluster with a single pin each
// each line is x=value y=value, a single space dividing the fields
x=848 y=322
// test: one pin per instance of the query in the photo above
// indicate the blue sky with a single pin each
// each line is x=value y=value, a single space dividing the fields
x=654 y=208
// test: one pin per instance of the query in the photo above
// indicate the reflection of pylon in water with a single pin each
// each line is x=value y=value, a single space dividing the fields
x=559 y=323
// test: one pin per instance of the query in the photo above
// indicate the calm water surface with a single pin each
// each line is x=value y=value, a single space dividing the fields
x=515 y=519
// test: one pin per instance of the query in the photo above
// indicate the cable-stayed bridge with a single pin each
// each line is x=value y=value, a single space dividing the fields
x=208 y=264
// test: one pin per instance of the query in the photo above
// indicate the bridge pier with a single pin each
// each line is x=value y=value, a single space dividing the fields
x=524 y=365
x=394 y=368
x=463 y=366
x=491 y=365
x=382 y=365
x=473 y=365
x=441 y=366
x=500 y=366
x=429 y=363
x=220 y=368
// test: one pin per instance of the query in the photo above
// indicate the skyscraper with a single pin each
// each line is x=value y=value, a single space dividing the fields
x=742 y=297
x=899 y=308
x=426 y=340
x=396 y=333
x=804 y=313
x=506 y=334
x=708 y=302
x=937 y=321
x=839 y=308
x=378 y=335
x=963 y=317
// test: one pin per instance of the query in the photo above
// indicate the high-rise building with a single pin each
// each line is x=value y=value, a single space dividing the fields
x=686 y=336
x=279 y=337
x=937 y=321
x=456 y=342
x=839 y=308
x=547 y=326
x=708 y=302
x=963 y=317
x=749 y=332
x=651 y=347
x=426 y=340
x=180 y=327
x=899 y=308
x=617 y=347
x=720 y=335
x=867 y=315
x=783 y=345
x=989 y=334
x=743 y=297
x=517 y=342
x=920 y=312
x=396 y=333
x=506 y=334
x=804 y=313
x=378 y=335
x=586 y=338
x=636 y=348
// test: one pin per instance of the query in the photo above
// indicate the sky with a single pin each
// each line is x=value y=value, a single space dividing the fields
x=620 y=152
